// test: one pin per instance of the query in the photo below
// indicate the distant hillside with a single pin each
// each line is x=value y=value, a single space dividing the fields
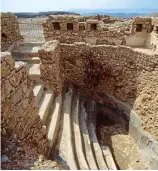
x=42 y=14
x=125 y=13
x=154 y=14
x=122 y=15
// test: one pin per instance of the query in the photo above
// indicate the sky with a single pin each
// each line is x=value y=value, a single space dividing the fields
x=55 y=5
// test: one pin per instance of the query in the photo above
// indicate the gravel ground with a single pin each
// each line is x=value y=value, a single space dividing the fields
x=16 y=155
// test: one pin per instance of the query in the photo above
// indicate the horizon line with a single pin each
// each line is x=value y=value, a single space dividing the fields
x=67 y=10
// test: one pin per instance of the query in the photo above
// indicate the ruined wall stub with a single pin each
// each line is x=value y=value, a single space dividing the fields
x=10 y=32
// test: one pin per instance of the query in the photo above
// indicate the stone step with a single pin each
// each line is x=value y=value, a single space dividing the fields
x=77 y=135
x=96 y=148
x=66 y=150
x=45 y=103
x=30 y=60
x=93 y=138
x=38 y=91
x=54 y=119
x=108 y=157
x=27 y=51
x=86 y=139
x=32 y=43
x=34 y=71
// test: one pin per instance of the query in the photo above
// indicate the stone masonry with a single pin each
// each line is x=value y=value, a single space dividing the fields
x=18 y=106
x=138 y=32
x=120 y=71
x=80 y=31
x=10 y=33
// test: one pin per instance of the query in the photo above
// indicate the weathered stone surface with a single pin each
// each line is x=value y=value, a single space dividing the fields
x=119 y=71
x=7 y=65
x=96 y=30
x=10 y=32
x=19 y=109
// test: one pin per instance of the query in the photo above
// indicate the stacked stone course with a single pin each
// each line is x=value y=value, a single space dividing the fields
x=10 y=32
x=18 y=106
x=51 y=65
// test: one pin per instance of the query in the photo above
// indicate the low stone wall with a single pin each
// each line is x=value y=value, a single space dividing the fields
x=18 y=106
x=138 y=32
x=55 y=28
x=10 y=33
x=128 y=75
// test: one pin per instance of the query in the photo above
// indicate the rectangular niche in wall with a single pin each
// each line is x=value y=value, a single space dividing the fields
x=81 y=27
x=94 y=26
x=69 y=26
x=139 y=27
x=152 y=28
x=156 y=29
x=56 y=25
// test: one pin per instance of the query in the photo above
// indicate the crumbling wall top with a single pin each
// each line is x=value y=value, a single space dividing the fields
x=10 y=32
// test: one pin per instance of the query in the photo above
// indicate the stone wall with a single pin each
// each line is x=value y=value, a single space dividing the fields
x=10 y=33
x=144 y=33
x=154 y=35
x=19 y=112
x=139 y=32
x=128 y=75
x=51 y=65
x=83 y=31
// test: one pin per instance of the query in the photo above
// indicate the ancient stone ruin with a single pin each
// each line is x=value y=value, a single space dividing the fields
x=87 y=96
x=10 y=33
x=139 y=32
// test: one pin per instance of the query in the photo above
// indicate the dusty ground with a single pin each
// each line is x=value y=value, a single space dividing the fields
x=16 y=155
x=122 y=146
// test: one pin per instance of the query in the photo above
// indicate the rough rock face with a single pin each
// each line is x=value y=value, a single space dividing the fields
x=19 y=110
x=10 y=33
x=119 y=71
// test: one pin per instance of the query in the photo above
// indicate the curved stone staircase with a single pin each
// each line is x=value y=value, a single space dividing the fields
x=71 y=132
x=68 y=118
